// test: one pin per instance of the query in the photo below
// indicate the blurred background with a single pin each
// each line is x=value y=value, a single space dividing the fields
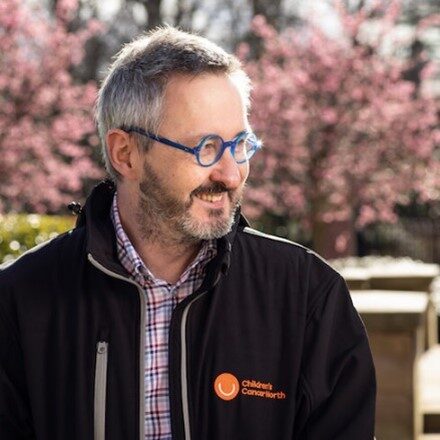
x=346 y=98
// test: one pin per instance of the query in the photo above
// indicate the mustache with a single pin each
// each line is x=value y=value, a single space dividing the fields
x=215 y=188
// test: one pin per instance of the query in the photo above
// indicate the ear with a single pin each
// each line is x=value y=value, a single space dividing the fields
x=123 y=153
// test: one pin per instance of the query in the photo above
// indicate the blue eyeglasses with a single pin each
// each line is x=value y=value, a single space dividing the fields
x=210 y=149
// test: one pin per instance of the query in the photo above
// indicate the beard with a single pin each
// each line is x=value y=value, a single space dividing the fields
x=161 y=216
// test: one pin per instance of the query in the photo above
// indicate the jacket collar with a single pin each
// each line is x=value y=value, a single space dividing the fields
x=101 y=238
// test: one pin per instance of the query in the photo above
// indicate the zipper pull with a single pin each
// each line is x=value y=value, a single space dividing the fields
x=100 y=390
x=102 y=347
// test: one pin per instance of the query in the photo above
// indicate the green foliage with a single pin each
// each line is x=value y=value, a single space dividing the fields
x=20 y=232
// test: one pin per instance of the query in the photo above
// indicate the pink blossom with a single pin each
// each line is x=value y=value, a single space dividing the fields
x=46 y=123
x=345 y=138
x=329 y=115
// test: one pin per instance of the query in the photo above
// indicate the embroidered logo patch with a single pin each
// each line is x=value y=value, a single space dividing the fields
x=227 y=387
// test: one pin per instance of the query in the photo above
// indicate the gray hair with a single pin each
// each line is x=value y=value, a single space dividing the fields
x=133 y=90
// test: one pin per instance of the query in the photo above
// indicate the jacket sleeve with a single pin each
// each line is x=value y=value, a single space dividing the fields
x=337 y=392
x=15 y=420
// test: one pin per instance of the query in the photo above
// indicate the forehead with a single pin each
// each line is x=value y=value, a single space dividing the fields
x=207 y=103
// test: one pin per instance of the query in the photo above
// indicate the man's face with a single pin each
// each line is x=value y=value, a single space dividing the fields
x=178 y=197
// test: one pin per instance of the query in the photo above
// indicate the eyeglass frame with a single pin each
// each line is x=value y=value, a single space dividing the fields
x=232 y=144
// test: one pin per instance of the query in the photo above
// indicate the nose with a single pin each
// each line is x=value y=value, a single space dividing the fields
x=228 y=171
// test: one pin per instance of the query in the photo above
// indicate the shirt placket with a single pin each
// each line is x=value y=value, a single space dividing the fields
x=161 y=299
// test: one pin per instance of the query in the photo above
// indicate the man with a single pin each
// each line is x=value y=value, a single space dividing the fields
x=162 y=314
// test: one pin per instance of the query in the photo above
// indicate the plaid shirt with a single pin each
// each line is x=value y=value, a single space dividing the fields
x=161 y=298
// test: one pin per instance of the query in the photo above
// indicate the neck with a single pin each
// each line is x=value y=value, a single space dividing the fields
x=165 y=255
x=164 y=261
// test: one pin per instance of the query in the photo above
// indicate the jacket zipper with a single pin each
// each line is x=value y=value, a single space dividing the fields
x=100 y=389
x=183 y=363
x=183 y=369
x=141 y=338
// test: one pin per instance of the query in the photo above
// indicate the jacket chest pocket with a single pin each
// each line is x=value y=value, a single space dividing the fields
x=100 y=389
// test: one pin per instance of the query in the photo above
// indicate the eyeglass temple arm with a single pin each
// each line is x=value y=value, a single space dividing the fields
x=161 y=139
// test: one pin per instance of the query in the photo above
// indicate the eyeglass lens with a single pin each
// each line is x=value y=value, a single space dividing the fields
x=212 y=146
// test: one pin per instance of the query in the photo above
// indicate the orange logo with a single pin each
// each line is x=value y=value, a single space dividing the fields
x=226 y=386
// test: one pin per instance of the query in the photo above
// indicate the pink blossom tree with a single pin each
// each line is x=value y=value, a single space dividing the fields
x=346 y=138
x=47 y=134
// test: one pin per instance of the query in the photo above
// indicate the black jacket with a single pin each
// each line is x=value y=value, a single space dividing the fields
x=270 y=313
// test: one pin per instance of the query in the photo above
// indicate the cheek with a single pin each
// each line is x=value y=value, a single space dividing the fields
x=187 y=179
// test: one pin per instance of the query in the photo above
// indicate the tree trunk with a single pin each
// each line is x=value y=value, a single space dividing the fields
x=271 y=9
x=334 y=240
x=153 y=10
